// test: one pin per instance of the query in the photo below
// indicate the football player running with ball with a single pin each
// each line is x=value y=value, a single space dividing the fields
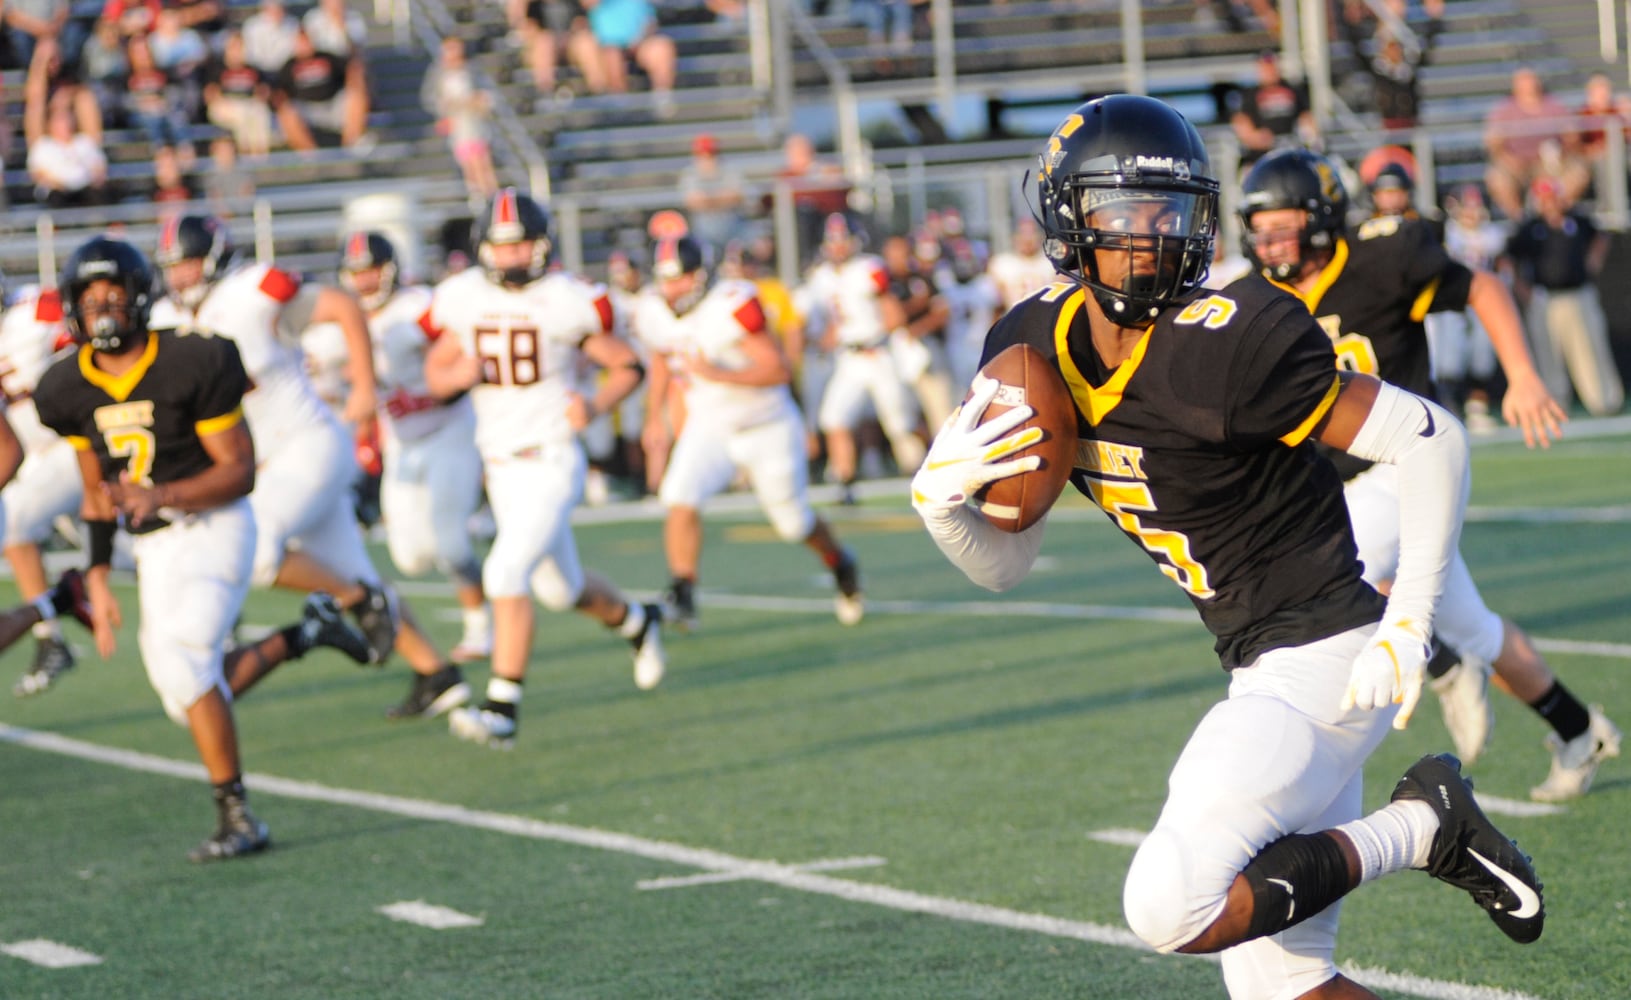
x=1196 y=413
x=157 y=421
x=1371 y=290
x=513 y=334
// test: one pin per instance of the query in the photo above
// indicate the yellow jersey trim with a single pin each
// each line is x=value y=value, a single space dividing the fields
x=1327 y=277
x=79 y=443
x=1300 y=434
x=1424 y=301
x=119 y=387
x=1095 y=404
x=215 y=425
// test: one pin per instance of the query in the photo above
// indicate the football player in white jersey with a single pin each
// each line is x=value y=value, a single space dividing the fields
x=431 y=476
x=47 y=486
x=307 y=536
x=1023 y=269
x=512 y=334
x=852 y=289
x=740 y=417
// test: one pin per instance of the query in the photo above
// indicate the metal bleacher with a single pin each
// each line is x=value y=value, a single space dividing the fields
x=608 y=161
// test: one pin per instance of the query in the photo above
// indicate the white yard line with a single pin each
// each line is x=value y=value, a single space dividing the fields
x=715 y=878
x=787 y=876
x=49 y=954
x=437 y=918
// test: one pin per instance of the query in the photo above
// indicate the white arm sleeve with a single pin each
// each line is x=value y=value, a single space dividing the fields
x=1429 y=447
x=993 y=558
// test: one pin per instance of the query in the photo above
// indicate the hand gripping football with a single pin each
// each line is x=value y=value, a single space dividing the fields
x=1027 y=377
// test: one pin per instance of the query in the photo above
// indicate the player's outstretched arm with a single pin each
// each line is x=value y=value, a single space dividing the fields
x=1383 y=423
x=338 y=307
x=1527 y=404
x=967 y=455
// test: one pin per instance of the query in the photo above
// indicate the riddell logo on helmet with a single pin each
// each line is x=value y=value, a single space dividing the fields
x=1178 y=168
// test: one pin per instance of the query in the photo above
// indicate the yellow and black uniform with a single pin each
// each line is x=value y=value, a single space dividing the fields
x=1373 y=298
x=148 y=421
x=1173 y=450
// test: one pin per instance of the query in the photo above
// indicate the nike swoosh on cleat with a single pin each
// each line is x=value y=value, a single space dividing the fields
x=1528 y=899
x=1431 y=427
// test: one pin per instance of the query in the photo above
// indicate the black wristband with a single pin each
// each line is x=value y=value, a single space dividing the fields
x=99 y=542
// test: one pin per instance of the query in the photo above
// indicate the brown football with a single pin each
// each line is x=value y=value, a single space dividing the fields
x=1016 y=503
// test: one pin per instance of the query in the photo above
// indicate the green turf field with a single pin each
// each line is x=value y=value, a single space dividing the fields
x=925 y=806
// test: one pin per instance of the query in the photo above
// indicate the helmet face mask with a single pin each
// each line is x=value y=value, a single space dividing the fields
x=510 y=218
x=1128 y=205
x=203 y=238
x=1294 y=179
x=110 y=327
x=363 y=252
x=680 y=266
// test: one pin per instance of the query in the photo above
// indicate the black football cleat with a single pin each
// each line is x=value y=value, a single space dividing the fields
x=52 y=659
x=650 y=662
x=323 y=624
x=68 y=597
x=1468 y=851
x=680 y=605
x=848 y=605
x=238 y=834
x=378 y=618
x=432 y=695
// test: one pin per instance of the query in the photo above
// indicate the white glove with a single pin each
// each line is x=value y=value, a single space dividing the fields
x=967 y=455
x=1389 y=670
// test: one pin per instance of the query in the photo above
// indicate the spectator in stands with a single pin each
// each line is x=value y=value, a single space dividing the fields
x=238 y=98
x=227 y=185
x=170 y=185
x=182 y=54
x=540 y=25
x=104 y=67
x=1602 y=110
x=28 y=21
x=819 y=189
x=134 y=17
x=51 y=78
x=269 y=38
x=1527 y=136
x=313 y=92
x=67 y=166
x=1394 y=69
x=462 y=109
x=1555 y=255
x=207 y=17
x=624 y=30
x=336 y=30
x=713 y=193
x=888 y=23
x=1271 y=114
x=152 y=102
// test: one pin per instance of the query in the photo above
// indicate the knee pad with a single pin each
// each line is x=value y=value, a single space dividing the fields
x=1157 y=897
x=793 y=520
x=554 y=590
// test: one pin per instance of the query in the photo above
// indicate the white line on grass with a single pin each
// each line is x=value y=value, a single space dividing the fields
x=49 y=954
x=787 y=876
x=437 y=918
x=715 y=878
x=1119 y=836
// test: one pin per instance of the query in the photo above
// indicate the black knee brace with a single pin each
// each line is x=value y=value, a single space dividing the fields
x=1292 y=879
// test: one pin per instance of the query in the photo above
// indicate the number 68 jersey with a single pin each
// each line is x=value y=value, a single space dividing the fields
x=527 y=340
x=1197 y=448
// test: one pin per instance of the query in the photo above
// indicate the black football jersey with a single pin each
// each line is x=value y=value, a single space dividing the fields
x=1197 y=448
x=148 y=421
x=1373 y=298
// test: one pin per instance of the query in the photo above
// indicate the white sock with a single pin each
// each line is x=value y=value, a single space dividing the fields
x=502 y=689
x=1395 y=837
x=478 y=621
x=635 y=621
